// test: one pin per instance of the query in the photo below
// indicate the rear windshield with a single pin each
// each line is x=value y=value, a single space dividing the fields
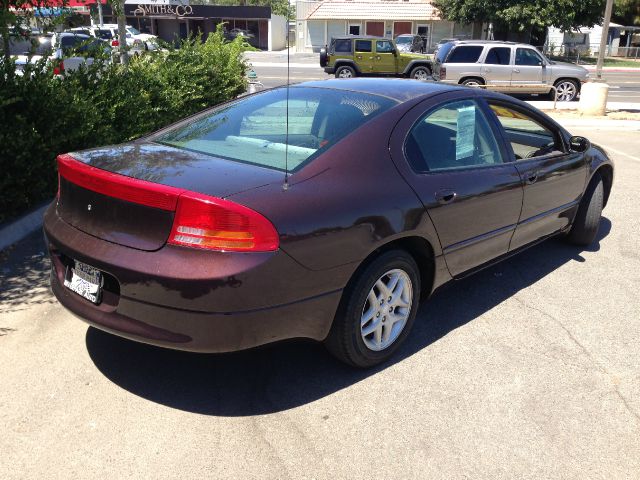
x=443 y=50
x=254 y=129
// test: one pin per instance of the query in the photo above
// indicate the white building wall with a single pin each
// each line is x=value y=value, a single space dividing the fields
x=278 y=31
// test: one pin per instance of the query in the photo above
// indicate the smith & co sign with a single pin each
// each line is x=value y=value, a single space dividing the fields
x=159 y=10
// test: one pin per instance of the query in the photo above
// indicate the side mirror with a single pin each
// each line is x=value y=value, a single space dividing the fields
x=579 y=144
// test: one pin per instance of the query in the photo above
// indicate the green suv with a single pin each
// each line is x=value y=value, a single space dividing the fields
x=351 y=56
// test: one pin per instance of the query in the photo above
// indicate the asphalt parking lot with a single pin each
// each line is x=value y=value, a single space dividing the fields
x=529 y=369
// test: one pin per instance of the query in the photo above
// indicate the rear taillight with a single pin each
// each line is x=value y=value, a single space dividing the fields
x=213 y=223
x=200 y=221
x=443 y=73
x=59 y=68
x=115 y=43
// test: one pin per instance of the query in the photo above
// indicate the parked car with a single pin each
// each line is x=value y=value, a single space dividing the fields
x=223 y=232
x=507 y=67
x=136 y=41
x=238 y=32
x=410 y=43
x=71 y=50
x=28 y=49
x=353 y=56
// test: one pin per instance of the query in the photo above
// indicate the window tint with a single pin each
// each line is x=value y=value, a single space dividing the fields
x=383 y=46
x=71 y=41
x=465 y=54
x=254 y=129
x=104 y=34
x=527 y=56
x=456 y=135
x=363 y=45
x=342 y=46
x=498 y=56
x=528 y=137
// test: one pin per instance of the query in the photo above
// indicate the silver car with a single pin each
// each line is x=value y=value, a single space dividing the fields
x=507 y=67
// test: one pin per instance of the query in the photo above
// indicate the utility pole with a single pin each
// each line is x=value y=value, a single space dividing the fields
x=604 y=38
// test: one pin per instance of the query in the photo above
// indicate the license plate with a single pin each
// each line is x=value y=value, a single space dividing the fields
x=84 y=280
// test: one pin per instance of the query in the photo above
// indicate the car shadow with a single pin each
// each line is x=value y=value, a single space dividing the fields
x=287 y=375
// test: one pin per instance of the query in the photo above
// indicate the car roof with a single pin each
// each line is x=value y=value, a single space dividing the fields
x=359 y=37
x=490 y=42
x=397 y=89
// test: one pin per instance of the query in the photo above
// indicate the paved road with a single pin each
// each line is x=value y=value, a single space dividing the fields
x=529 y=369
x=272 y=72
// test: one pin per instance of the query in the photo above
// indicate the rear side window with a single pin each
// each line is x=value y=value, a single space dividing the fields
x=498 y=56
x=254 y=129
x=72 y=41
x=363 y=45
x=456 y=135
x=342 y=46
x=465 y=54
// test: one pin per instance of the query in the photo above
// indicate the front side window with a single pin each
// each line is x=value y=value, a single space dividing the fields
x=104 y=34
x=528 y=57
x=383 y=46
x=363 y=45
x=465 y=54
x=254 y=129
x=453 y=136
x=528 y=137
x=498 y=56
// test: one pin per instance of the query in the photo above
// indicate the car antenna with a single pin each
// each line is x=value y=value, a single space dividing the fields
x=285 y=185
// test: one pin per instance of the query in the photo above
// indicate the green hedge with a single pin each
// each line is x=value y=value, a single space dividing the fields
x=106 y=103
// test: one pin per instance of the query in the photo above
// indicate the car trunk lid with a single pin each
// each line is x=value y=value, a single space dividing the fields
x=128 y=194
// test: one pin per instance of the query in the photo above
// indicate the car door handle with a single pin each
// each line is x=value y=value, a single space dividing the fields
x=445 y=196
x=515 y=70
x=532 y=177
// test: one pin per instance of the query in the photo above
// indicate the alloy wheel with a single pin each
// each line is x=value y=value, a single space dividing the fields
x=345 y=73
x=565 y=91
x=386 y=310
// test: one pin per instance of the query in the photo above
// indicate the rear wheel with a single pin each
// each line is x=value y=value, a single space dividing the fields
x=377 y=311
x=472 y=82
x=421 y=73
x=345 y=71
x=566 y=90
x=587 y=222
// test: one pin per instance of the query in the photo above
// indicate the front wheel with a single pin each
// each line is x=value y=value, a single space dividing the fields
x=345 y=72
x=587 y=222
x=377 y=311
x=421 y=73
x=566 y=90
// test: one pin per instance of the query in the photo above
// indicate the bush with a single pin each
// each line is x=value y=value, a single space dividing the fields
x=105 y=103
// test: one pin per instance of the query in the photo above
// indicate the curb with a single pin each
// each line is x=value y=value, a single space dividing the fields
x=592 y=68
x=20 y=228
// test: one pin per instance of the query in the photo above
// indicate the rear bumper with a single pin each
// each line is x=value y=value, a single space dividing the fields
x=329 y=70
x=155 y=298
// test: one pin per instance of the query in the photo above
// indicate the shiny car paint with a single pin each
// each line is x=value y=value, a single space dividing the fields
x=357 y=199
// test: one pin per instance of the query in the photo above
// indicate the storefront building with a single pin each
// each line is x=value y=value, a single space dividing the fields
x=172 y=20
x=319 y=21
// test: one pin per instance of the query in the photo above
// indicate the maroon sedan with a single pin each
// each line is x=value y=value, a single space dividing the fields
x=324 y=212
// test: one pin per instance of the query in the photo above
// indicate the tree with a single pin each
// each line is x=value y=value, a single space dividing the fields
x=627 y=12
x=525 y=14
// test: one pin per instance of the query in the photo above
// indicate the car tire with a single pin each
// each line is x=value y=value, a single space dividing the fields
x=587 y=221
x=345 y=71
x=472 y=82
x=421 y=73
x=567 y=90
x=360 y=341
